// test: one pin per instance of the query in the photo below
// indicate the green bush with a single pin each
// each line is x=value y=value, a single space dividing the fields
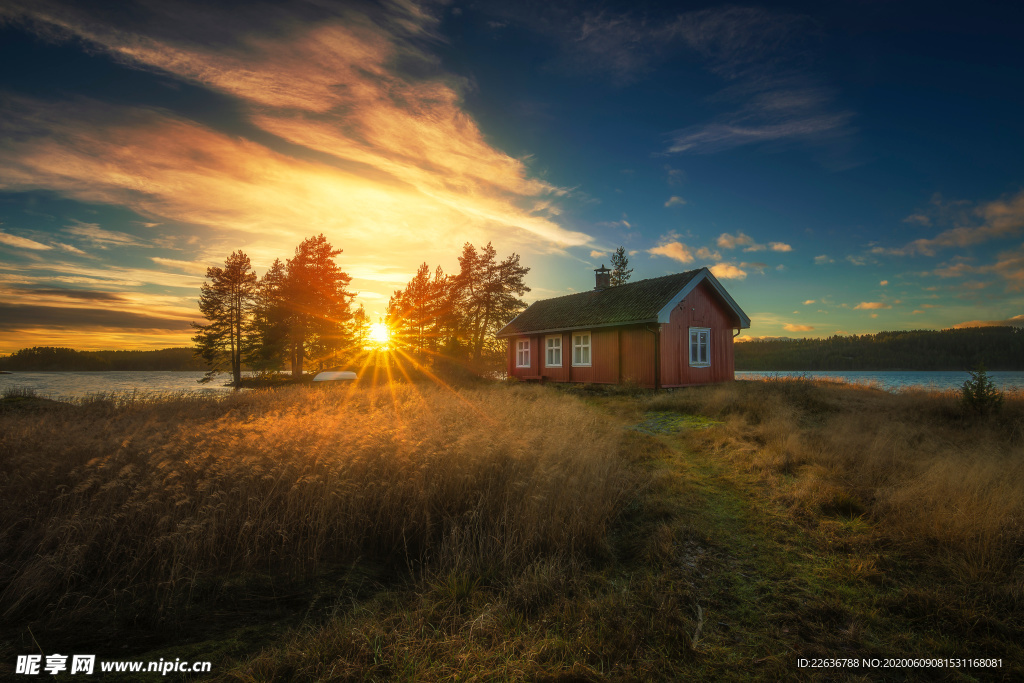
x=979 y=395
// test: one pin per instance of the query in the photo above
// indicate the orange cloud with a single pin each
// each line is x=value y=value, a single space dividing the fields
x=870 y=306
x=674 y=250
x=789 y=327
x=728 y=271
x=1015 y=321
x=394 y=171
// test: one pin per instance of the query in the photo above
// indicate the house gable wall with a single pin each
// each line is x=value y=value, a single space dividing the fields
x=701 y=308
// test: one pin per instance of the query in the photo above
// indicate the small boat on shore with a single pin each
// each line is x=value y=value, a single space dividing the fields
x=335 y=376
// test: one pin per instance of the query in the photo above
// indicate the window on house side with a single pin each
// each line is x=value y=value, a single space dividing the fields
x=581 y=349
x=700 y=347
x=523 y=353
x=553 y=351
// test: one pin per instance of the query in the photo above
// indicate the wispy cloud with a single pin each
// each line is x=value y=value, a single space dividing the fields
x=745 y=129
x=763 y=55
x=22 y=242
x=15 y=317
x=918 y=219
x=674 y=201
x=101 y=237
x=727 y=241
x=756 y=266
x=740 y=239
x=991 y=221
x=381 y=149
x=195 y=267
x=790 y=327
x=87 y=295
x=1007 y=264
x=823 y=259
x=870 y=306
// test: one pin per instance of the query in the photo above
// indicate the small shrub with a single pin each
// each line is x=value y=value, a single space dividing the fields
x=979 y=395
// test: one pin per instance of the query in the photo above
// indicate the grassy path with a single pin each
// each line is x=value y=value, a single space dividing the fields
x=772 y=589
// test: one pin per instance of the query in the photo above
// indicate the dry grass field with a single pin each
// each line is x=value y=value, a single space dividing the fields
x=502 y=532
x=947 y=484
x=137 y=504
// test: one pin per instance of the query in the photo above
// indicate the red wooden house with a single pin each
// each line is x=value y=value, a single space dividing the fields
x=669 y=331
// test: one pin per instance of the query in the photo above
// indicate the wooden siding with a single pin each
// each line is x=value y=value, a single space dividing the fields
x=701 y=308
x=626 y=353
x=638 y=354
x=617 y=354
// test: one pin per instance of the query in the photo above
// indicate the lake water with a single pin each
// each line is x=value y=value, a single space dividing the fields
x=895 y=380
x=81 y=384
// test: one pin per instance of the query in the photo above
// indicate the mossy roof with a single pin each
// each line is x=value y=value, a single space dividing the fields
x=631 y=303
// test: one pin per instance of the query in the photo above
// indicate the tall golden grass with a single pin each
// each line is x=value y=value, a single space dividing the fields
x=930 y=475
x=127 y=504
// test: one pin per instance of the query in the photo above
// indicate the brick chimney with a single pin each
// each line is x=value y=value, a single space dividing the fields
x=604 y=279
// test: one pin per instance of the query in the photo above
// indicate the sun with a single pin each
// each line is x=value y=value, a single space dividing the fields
x=380 y=334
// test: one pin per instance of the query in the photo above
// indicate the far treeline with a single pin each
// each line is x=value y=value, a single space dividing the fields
x=998 y=348
x=301 y=310
x=43 y=358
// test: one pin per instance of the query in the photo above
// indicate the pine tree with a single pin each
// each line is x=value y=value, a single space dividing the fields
x=621 y=271
x=359 y=327
x=225 y=302
x=265 y=347
x=419 y=315
x=318 y=302
x=486 y=295
x=979 y=394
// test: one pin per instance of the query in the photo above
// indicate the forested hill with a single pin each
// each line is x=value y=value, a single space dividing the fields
x=53 y=358
x=999 y=348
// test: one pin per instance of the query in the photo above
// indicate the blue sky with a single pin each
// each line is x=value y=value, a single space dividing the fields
x=842 y=167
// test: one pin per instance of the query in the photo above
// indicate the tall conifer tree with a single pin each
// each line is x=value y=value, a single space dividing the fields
x=318 y=302
x=225 y=302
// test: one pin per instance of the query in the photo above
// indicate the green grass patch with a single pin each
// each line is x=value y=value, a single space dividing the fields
x=669 y=422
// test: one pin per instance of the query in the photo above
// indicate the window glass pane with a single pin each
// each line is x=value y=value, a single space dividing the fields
x=586 y=354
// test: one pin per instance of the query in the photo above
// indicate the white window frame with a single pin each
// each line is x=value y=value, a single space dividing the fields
x=704 y=332
x=580 y=347
x=549 y=348
x=523 y=353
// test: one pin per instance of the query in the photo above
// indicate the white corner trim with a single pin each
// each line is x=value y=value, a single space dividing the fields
x=704 y=274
